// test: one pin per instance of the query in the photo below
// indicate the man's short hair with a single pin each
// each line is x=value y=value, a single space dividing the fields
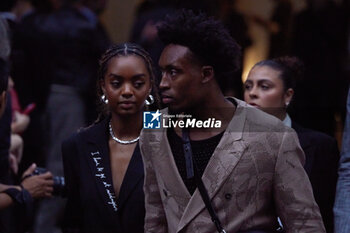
x=207 y=39
x=4 y=75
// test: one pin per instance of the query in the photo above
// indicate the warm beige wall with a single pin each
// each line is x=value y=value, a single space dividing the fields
x=118 y=19
x=119 y=16
x=259 y=35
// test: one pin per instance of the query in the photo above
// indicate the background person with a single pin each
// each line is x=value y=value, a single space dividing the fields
x=20 y=122
x=58 y=70
x=270 y=87
x=32 y=187
x=342 y=201
x=37 y=186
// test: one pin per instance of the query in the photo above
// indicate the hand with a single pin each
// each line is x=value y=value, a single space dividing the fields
x=20 y=123
x=13 y=163
x=38 y=185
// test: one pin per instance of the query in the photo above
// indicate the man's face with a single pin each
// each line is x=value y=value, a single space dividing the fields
x=181 y=78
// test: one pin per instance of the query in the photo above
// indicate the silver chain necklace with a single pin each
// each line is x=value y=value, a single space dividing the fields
x=121 y=141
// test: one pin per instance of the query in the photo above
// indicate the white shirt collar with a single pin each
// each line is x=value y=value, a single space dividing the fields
x=287 y=121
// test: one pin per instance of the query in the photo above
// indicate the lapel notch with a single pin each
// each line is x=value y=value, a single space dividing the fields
x=223 y=161
x=97 y=155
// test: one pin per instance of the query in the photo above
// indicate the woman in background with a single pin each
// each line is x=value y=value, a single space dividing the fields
x=270 y=87
x=102 y=163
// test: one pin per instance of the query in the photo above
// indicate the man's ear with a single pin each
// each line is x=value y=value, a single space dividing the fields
x=207 y=73
x=2 y=102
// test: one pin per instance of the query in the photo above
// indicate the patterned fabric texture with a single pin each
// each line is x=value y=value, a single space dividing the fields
x=254 y=175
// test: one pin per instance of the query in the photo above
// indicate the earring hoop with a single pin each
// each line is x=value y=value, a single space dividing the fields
x=104 y=99
x=151 y=100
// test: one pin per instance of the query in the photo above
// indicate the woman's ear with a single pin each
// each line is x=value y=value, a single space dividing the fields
x=288 y=95
x=102 y=85
x=207 y=73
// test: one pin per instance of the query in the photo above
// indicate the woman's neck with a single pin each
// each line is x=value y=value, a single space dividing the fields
x=281 y=115
x=126 y=127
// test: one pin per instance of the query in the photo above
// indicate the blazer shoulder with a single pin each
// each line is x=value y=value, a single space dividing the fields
x=73 y=138
x=70 y=140
x=69 y=147
x=79 y=137
x=92 y=132
x=264 y=122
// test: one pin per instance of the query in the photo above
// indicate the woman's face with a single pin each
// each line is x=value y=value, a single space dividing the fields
x=126 y=84
x=264 y=89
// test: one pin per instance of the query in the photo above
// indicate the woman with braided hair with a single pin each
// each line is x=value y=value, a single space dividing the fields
x=102 y=163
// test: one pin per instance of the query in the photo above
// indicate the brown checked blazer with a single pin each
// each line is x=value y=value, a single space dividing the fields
x=254 y=175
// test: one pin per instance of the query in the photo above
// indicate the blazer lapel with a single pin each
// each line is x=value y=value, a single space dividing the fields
x=133 y=176
x=99 y=162
x=174 y=187
x=223 y=161
x=171 y=175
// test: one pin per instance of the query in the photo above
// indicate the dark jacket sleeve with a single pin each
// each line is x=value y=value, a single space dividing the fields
x=72 y=221
x=324 y=178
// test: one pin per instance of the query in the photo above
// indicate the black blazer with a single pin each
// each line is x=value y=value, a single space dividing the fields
x=92 y=206
x=321 y=165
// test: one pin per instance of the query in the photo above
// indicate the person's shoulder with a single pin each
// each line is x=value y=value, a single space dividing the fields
x=258 y=120
x=315 y=137
x=84 y=132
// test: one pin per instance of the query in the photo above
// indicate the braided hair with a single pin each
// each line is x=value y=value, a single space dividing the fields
x=122 y=50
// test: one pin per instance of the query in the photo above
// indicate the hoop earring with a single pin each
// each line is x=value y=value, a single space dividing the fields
x=104 y=99
x=151 y=98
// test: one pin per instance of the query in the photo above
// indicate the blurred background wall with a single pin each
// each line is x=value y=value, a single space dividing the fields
x=119 y=16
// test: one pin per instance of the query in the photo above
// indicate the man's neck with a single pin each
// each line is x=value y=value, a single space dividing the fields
x=217 y=108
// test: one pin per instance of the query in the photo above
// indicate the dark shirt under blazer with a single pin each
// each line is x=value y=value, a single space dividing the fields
x=92 y=205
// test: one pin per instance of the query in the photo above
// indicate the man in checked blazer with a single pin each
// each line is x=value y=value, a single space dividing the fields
x=251 y=165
